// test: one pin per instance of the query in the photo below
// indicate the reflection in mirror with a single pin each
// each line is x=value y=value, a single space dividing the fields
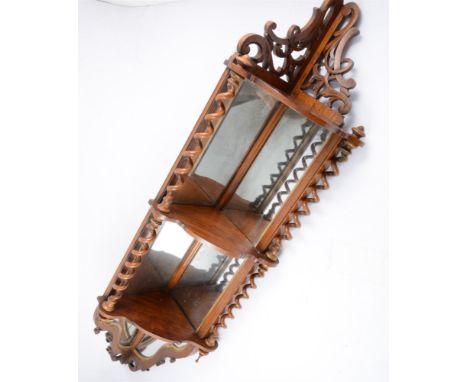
x=149 y=346
x=162 y=259
x=288 y=152
x=203 y=282
x=127 y=332
x=231 y=141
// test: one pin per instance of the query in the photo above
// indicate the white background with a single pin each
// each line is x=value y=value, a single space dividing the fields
x=145 y=75
x=39 y=193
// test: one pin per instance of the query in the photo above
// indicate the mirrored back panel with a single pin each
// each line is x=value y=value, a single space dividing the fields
x=288 y=152
x=230 y=143
x=162 y=260
x=203 y=282
x=201 y=273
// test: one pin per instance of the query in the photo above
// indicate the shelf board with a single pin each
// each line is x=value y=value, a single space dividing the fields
x=211 y=226
x=156 y=313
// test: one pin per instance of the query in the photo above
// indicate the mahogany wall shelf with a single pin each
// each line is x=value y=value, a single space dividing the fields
x=269 y=138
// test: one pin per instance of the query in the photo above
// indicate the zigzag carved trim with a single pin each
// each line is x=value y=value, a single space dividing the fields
x=310 y=194
x=257 y=271
x=201 y=137
x=133 y=261
x=327 y=83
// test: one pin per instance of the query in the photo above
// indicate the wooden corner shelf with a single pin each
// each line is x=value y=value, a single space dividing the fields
x=157 y=313
x=211 y=226
x=256 y=159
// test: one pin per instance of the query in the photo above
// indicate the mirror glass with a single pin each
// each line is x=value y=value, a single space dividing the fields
x=288 y=152
x=203 y=282
x=159 y=264
x=128 y=330
x=231 y=141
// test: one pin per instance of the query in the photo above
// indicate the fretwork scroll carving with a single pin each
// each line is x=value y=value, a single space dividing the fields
x=327 y=82
x=129 y=348
x=293 y=50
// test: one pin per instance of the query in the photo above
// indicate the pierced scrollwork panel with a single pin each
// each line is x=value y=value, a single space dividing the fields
x=292 y=50
x=140 y=351
x=327 y=82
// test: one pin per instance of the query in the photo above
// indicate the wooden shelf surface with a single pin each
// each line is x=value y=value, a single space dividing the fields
x=156 y=313
x=211 y=226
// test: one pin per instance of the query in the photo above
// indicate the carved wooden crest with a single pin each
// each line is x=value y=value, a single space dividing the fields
x=312 y=55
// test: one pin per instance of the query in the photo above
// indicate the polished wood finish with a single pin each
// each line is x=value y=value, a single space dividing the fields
x=199 y=140
x=307 y=106
x=132 y=260
x=299 y=205
x=224 y=300
x=211 y=226
x=183 y=265
x=294 y=50
x=128 y=348
x=311 y=79
x=209 y=105
x=327 y=151
x=332 y=87
x=156 y=313
x=272 y=121
x=298 y=152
